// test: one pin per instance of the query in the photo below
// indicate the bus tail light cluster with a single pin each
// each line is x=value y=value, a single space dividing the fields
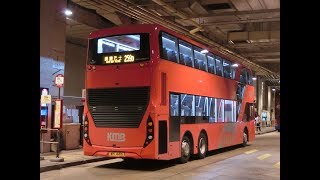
x=86 y=130
x=149 y=133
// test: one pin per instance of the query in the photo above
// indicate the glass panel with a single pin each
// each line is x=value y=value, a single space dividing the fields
x=249 y=75
x=187 y=105
x=234 y=110
x=185 y=50
x=169 y=47
x=119 y=49
x=228 y=110
x=212 y=110
x=211 y=63
x=219 y=66
x=174 y=105
x=220 y=108
x=227 y=68
x=201 y=106
x=121 y=43
x=200 y=61
x=243 y=76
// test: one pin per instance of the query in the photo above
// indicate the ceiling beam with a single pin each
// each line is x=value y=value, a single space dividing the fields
x=88 y=17
x=236 y=13
x=252 y=36
x=254 y=54
x=240 y=21
x=254 y=45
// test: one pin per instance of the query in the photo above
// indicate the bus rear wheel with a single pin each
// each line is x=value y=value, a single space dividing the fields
x=202 y=146
x=245 y=139
x=185 y=150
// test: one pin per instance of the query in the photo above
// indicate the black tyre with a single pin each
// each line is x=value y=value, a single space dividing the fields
x=202 y=146
x=245 y=139
x=185 y=150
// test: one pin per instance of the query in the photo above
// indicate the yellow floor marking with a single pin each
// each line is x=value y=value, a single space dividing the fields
x=262 y=157
x=251 y=151
x=277 y=165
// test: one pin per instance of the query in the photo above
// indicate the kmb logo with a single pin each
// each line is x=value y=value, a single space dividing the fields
x=118 y=137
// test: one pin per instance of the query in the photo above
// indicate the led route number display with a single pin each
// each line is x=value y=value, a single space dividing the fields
x=119 y=59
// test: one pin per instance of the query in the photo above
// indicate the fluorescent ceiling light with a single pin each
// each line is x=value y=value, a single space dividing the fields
x=67 y=12
x=204 y=51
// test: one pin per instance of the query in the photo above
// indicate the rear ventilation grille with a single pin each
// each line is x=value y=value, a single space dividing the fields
x=118 y=107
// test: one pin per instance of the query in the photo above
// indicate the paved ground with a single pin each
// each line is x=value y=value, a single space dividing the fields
x=259 y=160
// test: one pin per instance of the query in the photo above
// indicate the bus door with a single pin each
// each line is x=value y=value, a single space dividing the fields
x=174 y=119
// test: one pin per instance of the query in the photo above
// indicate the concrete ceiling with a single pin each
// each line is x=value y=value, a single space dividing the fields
x=248 y=30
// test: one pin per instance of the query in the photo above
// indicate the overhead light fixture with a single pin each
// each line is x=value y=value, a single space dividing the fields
x=204 y=51
x=235 y=65
x=273 y=89
x=68 y=12
x=254 y=78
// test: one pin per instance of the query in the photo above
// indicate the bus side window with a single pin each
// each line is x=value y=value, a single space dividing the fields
x=172 y=56
x=200 y=61
x=164 y=54
x=185 y=50
x=211 y=63
x=219 y=66
x=174 y=105
x=169 y=47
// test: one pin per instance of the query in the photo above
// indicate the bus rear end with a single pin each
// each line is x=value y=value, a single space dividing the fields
x=118 y=78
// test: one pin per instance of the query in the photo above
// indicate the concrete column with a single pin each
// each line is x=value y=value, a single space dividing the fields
x=273 y=104
x=260 y=94
x=52 y=49
x=269 y=98
x=52 y=43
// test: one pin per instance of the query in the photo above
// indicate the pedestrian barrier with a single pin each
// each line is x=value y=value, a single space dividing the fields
x=57 y=142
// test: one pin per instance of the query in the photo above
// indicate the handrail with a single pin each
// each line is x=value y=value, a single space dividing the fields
x=50 y=142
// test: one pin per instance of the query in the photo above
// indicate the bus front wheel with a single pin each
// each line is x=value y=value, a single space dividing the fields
x=185 y=150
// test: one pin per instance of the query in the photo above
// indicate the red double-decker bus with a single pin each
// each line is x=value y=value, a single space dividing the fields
x=152 y=93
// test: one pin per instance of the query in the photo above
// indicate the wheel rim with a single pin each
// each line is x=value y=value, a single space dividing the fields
x=202 y=146
x=245 y=138
x=185 y=148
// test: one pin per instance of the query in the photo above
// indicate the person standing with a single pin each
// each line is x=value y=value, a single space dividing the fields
x=258 y=123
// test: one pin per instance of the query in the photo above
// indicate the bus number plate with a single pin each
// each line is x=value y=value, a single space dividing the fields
x=116 y=154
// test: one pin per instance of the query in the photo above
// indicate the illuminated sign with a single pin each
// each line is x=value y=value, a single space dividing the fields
x=119 y=59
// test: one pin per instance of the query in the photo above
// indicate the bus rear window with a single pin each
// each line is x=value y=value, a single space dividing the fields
x=119 y=49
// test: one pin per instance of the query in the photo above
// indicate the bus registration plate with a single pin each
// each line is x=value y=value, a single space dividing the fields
x=116 y=154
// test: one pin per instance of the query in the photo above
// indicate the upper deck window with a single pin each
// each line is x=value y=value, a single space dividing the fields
x=118 y=49
x=211 y=63
x=169 y=49
x=243 y=76
x=227 y=69
x=200 y=60
x=186 y=55
x=219 y=67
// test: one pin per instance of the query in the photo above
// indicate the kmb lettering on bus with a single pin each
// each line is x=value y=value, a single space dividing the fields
x=118 y=137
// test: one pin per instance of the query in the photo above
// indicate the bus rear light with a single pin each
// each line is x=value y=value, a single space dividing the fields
x=94 y=67
x=89 y=67
x=86 y=130
x=149 y=132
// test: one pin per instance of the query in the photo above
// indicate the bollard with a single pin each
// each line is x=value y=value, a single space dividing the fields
x=58 y=145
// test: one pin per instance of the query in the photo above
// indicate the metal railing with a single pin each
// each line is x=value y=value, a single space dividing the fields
x=45 y=130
